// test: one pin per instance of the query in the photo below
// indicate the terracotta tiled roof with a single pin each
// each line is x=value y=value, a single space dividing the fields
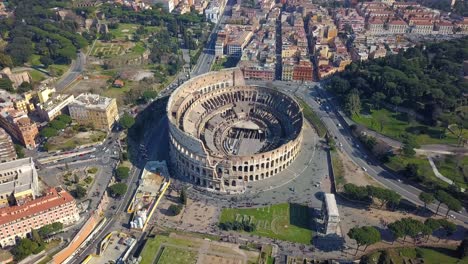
x=52 y=199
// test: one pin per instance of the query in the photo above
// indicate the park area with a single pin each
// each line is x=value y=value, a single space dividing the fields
x=416 y=255
x=71 y=138
x=454 y=167
x=395 y=125
x=125 y=31
x=290 y=222
x=109 y=49
x=187 y=249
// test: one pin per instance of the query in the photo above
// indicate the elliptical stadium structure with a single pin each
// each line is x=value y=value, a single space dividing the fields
x=224 y=134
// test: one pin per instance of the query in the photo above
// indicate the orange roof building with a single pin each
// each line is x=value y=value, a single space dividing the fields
x=57 y=205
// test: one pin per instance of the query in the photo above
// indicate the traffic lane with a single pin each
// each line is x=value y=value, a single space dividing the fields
x=112 y=222
x=383 y=176
x=388 y=179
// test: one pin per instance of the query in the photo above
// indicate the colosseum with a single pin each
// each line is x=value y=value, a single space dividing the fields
x=224 y=134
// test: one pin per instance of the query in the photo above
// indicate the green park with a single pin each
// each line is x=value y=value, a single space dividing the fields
x=290 y=222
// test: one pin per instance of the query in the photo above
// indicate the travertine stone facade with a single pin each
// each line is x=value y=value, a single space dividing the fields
x=224 y=134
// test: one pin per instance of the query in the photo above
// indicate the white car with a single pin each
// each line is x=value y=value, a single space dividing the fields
x=364 y=168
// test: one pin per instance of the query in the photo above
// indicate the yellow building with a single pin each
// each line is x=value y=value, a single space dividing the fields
x=288 y=51
x=23 y=105
x=94 y=110
x=288 y=69
x=332 y=33
x=44 y=94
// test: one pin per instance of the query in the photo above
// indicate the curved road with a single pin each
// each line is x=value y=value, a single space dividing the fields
x=75 y=70
x=332 y=119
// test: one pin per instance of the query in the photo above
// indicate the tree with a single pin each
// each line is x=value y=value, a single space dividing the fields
x=356 y=192
x=148 y=95
x=411 y=170
x=432 y=224
x=127 y=121
x=408 y=150
x=118 y=189
x=353 y=104
x=122 y=173
x=451 y=202
x=383 y=121
x=36 y=237
x=339 y=85
x=19 y=151
x=57 y=124
x=24 y=87
x=64 y=118
x=408 y=227
x=5 y=60
x=48 y=132
x=76 y=178
x=366 y=235
x=175 y=209
x=462 y=249
x=26 y=247
x=49 y=229
x=183 y=197
x=426 y=198
x=453 y=205
x=6 y=84
x=448 y=227
x=79 y=192
x=378 y=98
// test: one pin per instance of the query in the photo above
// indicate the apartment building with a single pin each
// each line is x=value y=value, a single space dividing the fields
x=422 y=27
x=257 y=72
x=54 y=106
x=375 y=26
x=397 y=26
x=19 y=126
x=237 y=42
x=18 y=181
x=94 y=110
x=7 y=149
x=57 y=205
x=444 y=27
x=302 y=71
x=287 y=70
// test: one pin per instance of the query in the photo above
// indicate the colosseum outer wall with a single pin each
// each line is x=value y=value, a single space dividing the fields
x=190 y=158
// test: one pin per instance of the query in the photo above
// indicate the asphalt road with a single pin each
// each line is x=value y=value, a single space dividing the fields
x=75 y=70
x=335 y=125
x=208 y=55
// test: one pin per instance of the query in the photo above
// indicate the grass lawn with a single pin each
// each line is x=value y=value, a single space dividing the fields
x=153 y=246
x=125 y=30
x=118 y=92
x=36 y=75
x=454 y=168
x=313 y=118
x=139 y=48
x=396 y=124
x=398 y=163
x=289 y=222
x=34 y=60
x=175 y=255
x=70 y=139
x=223 y=63
x=338 y=169
x=59 y=70
x=411 y=255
